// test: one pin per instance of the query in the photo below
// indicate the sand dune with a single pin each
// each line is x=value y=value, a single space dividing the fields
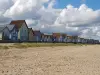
x=71 y=60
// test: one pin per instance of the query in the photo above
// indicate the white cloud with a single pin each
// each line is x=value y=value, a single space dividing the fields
x=5 y=4
x=24 y=9
x=91 y=32
x=82 y=16
x=33 y=9
x=51 y=4
x=48 y=16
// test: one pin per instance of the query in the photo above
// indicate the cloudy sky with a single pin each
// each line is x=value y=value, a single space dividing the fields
x=74 y=17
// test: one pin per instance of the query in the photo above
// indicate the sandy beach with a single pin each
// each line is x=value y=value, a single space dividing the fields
x=61 y=60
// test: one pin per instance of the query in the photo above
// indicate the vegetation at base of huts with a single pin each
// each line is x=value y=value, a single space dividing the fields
x=4 y=47
x=28 y=45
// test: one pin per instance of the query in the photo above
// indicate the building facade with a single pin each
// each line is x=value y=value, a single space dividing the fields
x=22 y=29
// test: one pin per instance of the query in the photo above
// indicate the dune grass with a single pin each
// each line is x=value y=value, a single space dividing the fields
x=28 y=45
x=4 y=47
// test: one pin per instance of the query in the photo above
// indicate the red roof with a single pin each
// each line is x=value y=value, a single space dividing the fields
x=18 y=23
x=56 y=34
x=70 y=37
x=36 y=31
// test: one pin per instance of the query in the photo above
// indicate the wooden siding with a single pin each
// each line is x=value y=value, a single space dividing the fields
x=38 y=35
x=14 y=34
x=47 y=38
x=31 y=36
x=23 y=33
x=5 y=34
x=0 y=35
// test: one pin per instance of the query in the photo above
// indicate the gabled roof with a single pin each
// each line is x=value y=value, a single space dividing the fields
x=30 y=29
x=10 y=27
x=70 y=37
x=82 y=38
x=42 y=34
x=36 y=32
x=59 y=34
x=2 y=27
x=56 y=34
x=18 y=23
x=64 y=35
x=48 y=35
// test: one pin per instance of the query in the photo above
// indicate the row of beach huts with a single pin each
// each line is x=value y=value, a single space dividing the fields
x=18 y=31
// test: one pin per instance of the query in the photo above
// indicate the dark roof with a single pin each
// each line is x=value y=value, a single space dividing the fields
x=30 y=29
x=56 y=34
x=46 y=34
x=2 y=27
x=10 y=27
x=37 y=32
x=18 y=23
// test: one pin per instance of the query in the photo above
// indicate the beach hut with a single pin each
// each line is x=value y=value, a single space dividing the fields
x=10 y=33
x=22 y=29
x=31 y=35
x=64 y=38
x=37 y=35
x=47 y=37
x=78 y=40
x=69 y=39
x=57 y=37
x=1 y=29
x=75 y=39
x=42 y=37
x=81 y=40
x=97 y=42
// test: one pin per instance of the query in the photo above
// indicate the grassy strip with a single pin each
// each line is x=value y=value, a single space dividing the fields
x=4 y=47
x=27 y=45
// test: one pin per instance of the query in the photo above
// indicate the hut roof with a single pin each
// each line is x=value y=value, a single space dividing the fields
x=18 y=23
